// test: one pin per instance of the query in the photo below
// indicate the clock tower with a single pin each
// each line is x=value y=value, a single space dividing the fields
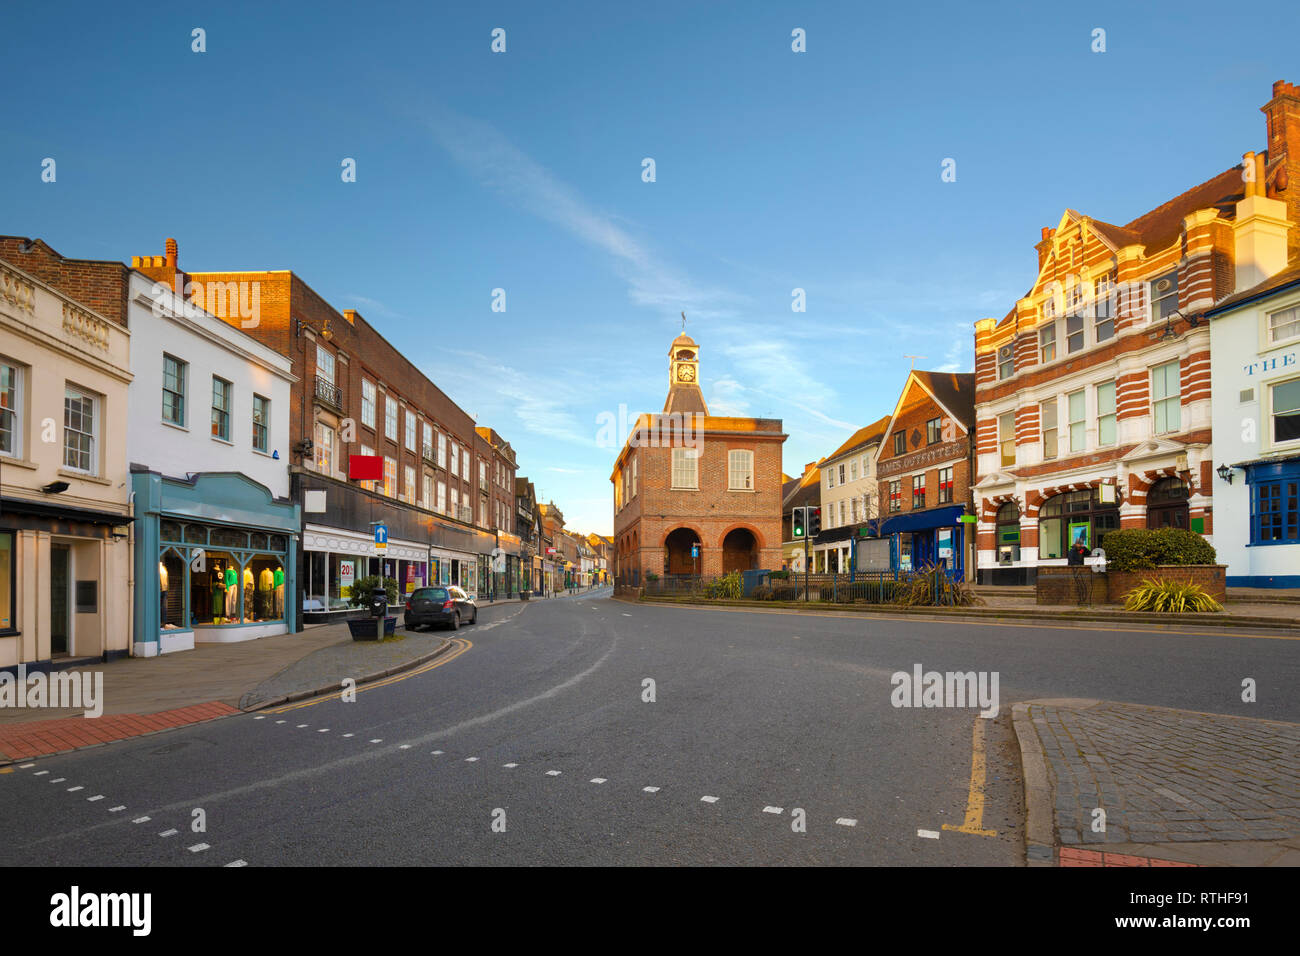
x=684 y=393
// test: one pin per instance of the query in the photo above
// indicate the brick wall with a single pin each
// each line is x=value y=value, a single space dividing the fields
x=100 y=286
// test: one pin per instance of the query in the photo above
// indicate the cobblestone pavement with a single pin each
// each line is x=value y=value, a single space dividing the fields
x=1167 y=776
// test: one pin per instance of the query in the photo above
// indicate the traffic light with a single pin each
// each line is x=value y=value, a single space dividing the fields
x=798 y=522
x=814 y=521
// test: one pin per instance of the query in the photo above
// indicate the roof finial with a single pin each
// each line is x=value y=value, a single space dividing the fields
x=683 y=321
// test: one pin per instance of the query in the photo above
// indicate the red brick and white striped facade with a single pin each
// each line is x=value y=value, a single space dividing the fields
x=1200 y=235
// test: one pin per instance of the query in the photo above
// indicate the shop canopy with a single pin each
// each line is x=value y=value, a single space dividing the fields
x=924 y=520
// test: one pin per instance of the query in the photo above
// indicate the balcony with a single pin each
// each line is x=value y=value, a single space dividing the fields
x=327 y=393
x=430 y=453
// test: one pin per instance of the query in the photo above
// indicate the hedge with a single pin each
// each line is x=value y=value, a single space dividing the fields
x=1135 y=549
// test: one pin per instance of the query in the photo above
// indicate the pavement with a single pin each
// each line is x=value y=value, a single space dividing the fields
x=148 y=695
x=1118 y=784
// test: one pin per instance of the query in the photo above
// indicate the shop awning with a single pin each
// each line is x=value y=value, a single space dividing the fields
x=922 y=520
x=62 y=512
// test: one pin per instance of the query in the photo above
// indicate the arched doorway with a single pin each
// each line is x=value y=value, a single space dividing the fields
x=1167 y=504
x=739 y=551
x=677 y=552
x=1008 y=532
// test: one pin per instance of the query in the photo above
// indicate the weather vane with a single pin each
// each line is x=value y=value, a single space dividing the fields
x=683 y=321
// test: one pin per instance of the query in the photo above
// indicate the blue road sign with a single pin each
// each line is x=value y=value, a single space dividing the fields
x=381 y=537
x=695 y=551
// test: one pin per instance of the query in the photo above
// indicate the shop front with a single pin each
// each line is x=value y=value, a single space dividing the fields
x=215 y=560
x=336 y=559
x=931 y=538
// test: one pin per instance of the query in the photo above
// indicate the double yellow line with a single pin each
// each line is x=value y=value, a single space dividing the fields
x=973 y=824
x=459 y=647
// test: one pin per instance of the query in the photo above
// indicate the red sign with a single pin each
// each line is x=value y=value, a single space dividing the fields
x=366 y=467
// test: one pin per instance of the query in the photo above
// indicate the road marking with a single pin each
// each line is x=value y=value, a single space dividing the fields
x=323 y=730
x=510 y=766
x=626 y=614
x=301 y=726
x=40 y=773
x=404 y=747
x=553 y=773
x=260 y=717
x=928 y=834
x=167 y=833
x=471 y=759
x=94 y=798
x=281 y=721
x=772 y=810
x=847 y=822
x=650 y=789
x=708 y=799
x=73 y=789
x=975 y=798
x=141 y=820
x=59 y=780
x=24 y=766
x=460 y=647
x=377 y=740
x=198 y=848
x=117 y=809
x=436 y=753
x=236 y=863
x=349 y=735
x=598 y=780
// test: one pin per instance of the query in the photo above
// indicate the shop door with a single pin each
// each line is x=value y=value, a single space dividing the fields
x=60 y=606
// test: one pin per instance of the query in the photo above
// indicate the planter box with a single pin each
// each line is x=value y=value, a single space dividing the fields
x=363 y=629
x=1058 y=585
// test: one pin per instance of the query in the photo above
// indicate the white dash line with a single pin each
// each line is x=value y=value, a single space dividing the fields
x=435 y=753
x=650 y=789
x=260 y=717
x=597 y=779
x=708 y=799
x=928 y=834
x=141 y=820
x=236 y=863
x=75 y=789
x=404 y=747
x=471 y=759
x=24 y=766
x=59 y=780
x=167 y=833
x=772 y=810
x=98 y=796
x=323 y=730
x=198 y=848
x=301 y=726
x=377 y=740
x=510 y=766
x=117 y=809
x=349 y=735
x=626 y=614
x=847 y=822
x=281 y=721
x=553 y=773
x=40 y=773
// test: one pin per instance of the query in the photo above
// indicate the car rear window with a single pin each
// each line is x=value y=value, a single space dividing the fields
x=430 y=594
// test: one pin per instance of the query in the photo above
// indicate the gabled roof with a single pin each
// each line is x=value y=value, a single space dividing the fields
x=862 y=437
x=955 y=391
x=1288 y=276
x=806 y=488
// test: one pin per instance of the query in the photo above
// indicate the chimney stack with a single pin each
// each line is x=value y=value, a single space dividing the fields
x=1044 y=245
x=172 y=254
x=1283 y=156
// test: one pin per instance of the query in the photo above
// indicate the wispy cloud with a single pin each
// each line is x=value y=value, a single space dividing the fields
x=482 y=150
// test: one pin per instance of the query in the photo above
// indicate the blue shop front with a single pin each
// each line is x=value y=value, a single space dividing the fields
x=932 y=537
x=216 y=557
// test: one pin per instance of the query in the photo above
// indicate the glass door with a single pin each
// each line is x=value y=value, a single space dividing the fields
x=60 y=606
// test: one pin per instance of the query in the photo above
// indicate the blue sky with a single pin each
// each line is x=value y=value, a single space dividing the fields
x=522 y=171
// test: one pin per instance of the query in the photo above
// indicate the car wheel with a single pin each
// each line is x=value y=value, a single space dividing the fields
x=455 y=621
x=474 y=619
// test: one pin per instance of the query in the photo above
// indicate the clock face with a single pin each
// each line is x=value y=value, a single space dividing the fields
x=686 y=373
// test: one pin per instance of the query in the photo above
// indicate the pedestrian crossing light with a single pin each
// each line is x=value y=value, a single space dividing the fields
x=814 y=521
x=798 y=520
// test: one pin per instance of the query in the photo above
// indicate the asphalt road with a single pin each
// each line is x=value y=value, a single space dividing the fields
x=535 y=744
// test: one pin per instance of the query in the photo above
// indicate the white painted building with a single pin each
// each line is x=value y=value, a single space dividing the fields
x=1255 y=341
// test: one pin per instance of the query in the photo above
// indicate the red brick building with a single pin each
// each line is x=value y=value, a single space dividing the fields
x=924 y=467
x=696 y=493
x=358 y=395
x=1093 y=392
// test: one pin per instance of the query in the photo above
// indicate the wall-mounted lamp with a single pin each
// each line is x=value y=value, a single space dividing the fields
x=1225 y=472
x=1192 y=322
x=299 y=326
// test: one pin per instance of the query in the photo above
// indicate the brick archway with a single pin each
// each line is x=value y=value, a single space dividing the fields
x=677 y=550
x=740 y=550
